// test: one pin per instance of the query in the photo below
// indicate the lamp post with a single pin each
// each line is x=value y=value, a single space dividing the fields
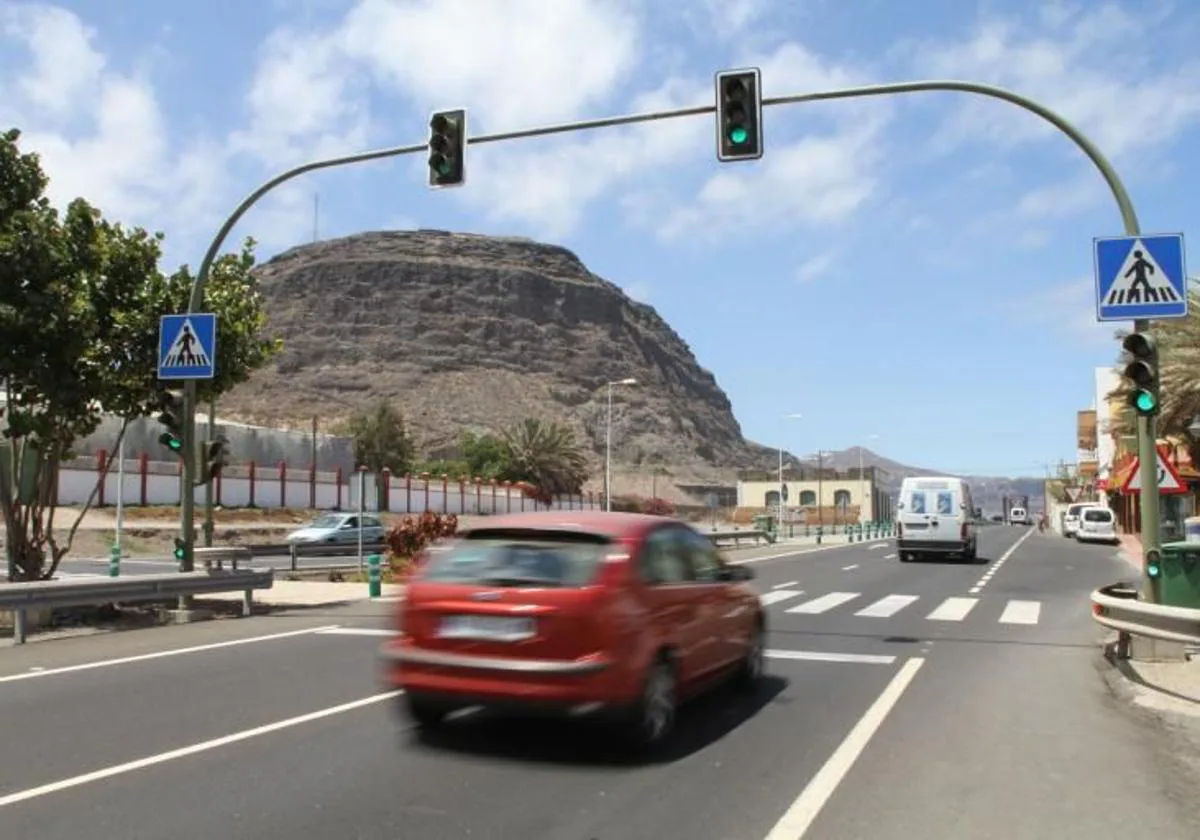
x=782 y=485
x=608 y=444
x=862 y=483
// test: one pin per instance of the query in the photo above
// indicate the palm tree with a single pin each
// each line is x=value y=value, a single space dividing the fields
x=1179 y=374
x=545 y=454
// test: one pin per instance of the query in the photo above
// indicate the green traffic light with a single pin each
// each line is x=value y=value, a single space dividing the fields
x=738 y=134
x=444 y=168
x=1145 y=401
x=1153 y=570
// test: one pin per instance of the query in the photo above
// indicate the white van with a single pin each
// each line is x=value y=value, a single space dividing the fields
x=935 y=516
x=1018 y=516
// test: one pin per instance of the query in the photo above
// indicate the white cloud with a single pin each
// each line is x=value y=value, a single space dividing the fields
x=1067 y=63
x=1068 y=309
x=815 y=267
x=64 y=66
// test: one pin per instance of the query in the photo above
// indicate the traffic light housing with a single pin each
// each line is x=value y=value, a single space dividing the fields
x=1153 y=564
x=1142 y=372
x=171 y=416
x=448 y=148
x=216 y=458
x=739 y=115
x=179 y=548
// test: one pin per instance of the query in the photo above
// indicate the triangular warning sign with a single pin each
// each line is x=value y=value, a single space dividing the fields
x=1169 y=480
x=1140 y=279
x=1073 y=493
x=185 y=351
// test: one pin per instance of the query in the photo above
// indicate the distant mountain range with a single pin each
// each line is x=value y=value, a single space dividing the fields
x=989 y=491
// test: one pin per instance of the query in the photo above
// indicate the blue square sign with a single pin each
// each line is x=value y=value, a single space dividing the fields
x=1141 y=277
x=187 y=346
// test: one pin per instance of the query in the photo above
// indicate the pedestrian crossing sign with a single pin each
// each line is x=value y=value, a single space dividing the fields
x=1140 y=277
x=187 y=346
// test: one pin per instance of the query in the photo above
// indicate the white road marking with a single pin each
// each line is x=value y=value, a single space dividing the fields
x=193 y=749
x=953 y=609
x=1021 y=612
x=796 y=553
x=822 y=656
x=356 y=631
x=160 y=654
x=787 y=585
x=824 y=603
x=799 y=817
x=779 y=595
x=850 y=567
x=974 y=590
x=995 y=567
x=879 y=545
x=889 y=557
x=887 y=607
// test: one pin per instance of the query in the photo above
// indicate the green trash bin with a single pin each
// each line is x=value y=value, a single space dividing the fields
x=765 y=522
x=1179 y=585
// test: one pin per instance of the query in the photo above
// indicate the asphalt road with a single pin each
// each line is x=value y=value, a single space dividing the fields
x=922 y=717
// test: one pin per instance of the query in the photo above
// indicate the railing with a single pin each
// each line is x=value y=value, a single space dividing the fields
x=19 y=598
x=1117 y=606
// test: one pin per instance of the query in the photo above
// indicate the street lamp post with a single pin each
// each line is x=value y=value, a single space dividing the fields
x=782 y=485
x=608 y=444
x=862 y=483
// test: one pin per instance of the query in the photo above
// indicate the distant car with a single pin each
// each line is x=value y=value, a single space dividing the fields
x=1097 y=524
x=338 y=528
x=615 y=615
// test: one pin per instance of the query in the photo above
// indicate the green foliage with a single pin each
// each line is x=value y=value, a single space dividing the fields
x=546 y=455
x=381 y=439
x=80 y=299
x=486 y=455
x=639 y=504
x=436 y=469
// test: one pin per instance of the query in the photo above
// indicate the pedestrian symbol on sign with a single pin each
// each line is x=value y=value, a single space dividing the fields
x=185 y=350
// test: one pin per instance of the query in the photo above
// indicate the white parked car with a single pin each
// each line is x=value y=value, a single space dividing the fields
x=1070 y=522
x=1097 y=524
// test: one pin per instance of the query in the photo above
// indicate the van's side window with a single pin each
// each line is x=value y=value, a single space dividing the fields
x=917 y=502
x=945 y=503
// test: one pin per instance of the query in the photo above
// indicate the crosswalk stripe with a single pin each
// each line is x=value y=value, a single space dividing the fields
x=824 y=603
x=1021 y=612
x=953 y=609
x=778 y=595
x=887 y=607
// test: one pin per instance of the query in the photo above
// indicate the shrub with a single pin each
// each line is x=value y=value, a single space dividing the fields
x=638 y=504
x=537 y=494
x=411 y=535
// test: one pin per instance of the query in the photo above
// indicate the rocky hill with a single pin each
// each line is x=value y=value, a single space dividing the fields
x=475 y=332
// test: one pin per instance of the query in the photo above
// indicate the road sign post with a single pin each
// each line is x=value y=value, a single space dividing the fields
x=187 y=352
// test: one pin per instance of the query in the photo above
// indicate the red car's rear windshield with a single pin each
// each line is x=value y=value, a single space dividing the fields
x=519 y=557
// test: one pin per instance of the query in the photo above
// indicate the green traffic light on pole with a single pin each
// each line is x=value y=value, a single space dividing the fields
x=1145 y=402
x=179 y=549
x=739 y=114
x=448 y=148
x=1153 y=565
x=171 y=442
x=1142 y=372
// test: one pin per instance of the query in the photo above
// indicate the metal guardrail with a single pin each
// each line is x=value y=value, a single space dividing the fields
x=55 y=594
x=1117 y=606
x=737 y=536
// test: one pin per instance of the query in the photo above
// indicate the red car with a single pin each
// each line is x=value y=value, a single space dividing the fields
x=582 y=613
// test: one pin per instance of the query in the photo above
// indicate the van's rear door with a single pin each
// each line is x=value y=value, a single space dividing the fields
x=932 y=511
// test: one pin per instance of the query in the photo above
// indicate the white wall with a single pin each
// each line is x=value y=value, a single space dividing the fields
x=158 y=483
x=1106 y=380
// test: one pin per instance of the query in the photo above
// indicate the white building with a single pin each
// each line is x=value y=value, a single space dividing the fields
x=1106 y=379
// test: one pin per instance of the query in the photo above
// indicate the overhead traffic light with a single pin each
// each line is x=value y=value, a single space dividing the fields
x=448 y=148
x=1142 y=371
x=216 y=458
x=739 y=115
x=171 y=416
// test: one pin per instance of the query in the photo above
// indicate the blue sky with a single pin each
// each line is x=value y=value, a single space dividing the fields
x=917 y=268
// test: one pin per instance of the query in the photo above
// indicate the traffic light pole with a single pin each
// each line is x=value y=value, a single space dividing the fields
x=1146 y=450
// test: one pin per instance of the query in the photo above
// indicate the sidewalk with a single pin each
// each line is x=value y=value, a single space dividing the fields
x=313 y=593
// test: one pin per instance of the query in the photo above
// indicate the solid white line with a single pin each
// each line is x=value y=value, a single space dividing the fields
x=824 y=603
x=848 y=568
x=1015 y=546
x=786 y=585
x=778 y=595
x=1021 y=612
x=193 y=749
x=798 y=818
x=821 y=656
x=356 y=631
x=887 y=606
x=953 y=609
x=877 y=545
x=160 y=654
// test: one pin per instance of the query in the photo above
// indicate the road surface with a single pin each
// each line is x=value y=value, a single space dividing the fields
x=934 y=701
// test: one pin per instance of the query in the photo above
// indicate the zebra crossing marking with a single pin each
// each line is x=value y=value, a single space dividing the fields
x=775 y=596
x=887 y=606
x=823 y=604
x=1021 y=612
x=953 y=609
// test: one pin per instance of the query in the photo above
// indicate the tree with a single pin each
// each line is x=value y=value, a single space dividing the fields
x=486 y=455
x=381 y=439
x=545 y=454
x=80 y=299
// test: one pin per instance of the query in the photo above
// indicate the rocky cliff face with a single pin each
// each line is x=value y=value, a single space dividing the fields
x=466 y=331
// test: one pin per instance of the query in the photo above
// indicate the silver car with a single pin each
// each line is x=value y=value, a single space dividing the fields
x=339 y=528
